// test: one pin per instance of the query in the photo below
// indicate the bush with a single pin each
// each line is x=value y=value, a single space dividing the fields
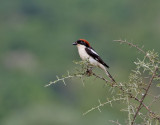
x=135 y=93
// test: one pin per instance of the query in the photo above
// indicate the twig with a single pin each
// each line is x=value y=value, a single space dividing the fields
x=132 y=45
x=143 y=97
x=147 y=108
x=155 y=116
x=154 y=100
x=116 y=122
x=102 y=104
x=66 y=77
x=100 y=77
x=135 y=46
x=128 y=109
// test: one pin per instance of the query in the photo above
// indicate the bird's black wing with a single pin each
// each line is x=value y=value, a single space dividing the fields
x=94 y=55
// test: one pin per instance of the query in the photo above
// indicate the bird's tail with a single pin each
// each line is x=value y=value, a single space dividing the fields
x=107 y=73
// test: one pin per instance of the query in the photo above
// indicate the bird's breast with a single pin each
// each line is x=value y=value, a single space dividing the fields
x=82 y=53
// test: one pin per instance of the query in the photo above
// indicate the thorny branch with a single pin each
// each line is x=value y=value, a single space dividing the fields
x=130 y=95
x=138 y=48
x=151 y=58
x=69 y=76
x=102 y=104
x=143 y=97
x=132 y=45
x=126 y=90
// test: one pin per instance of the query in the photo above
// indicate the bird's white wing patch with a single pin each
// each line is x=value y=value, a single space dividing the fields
x=94 y=52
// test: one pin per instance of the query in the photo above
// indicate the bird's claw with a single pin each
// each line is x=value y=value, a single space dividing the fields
x=89 y=72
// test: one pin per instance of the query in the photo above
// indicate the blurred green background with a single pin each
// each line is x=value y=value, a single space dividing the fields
x=36 y=39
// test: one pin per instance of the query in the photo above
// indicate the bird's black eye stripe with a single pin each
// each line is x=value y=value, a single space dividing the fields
x=80 y=42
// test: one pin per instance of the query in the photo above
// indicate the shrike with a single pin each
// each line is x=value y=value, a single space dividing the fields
x=87 y=53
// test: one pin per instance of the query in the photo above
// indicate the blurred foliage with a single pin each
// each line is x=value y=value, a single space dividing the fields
x=35 y=46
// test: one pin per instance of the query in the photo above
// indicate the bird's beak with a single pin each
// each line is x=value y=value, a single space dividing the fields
x=75 y=43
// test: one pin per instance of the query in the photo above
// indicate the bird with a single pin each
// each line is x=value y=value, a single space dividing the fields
x=87 y=53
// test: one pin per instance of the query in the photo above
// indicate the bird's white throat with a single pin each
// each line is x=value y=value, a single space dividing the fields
x=82 y=52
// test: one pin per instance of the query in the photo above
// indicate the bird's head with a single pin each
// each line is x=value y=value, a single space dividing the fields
x=82 y=42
